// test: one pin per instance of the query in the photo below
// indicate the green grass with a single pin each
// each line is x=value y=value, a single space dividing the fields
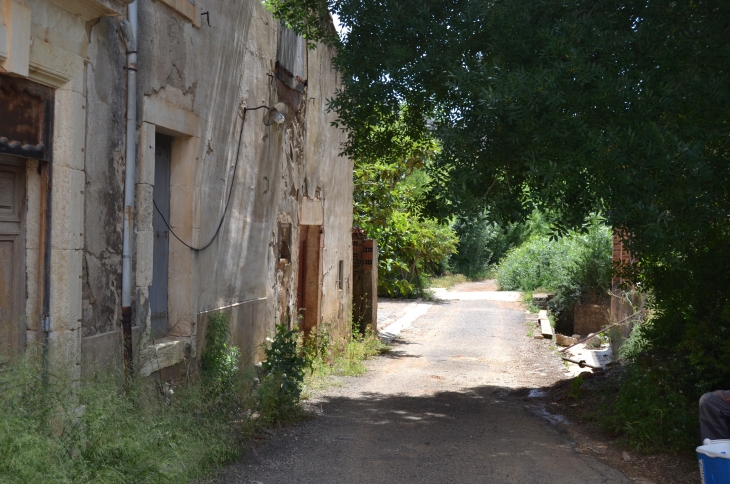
x=447 y=281
x=527 y=301
x=56 y=430
x=342 y=360
x=71 y=432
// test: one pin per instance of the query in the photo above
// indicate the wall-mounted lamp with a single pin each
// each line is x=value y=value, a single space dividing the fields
x=276 y=114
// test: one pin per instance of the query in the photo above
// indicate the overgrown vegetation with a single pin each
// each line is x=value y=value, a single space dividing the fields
x=483 y=243
x=648 y=408
x=61 y=431
x=389 y=198
x=611 y=107
x=574 y=266
x=282 y=374
x=325 y=359
x=71 y=432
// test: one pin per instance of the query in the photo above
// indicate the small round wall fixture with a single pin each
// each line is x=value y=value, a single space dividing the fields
x=276 y=114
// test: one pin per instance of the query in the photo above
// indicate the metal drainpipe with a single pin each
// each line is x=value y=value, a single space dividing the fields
x=47 y=187
x=129 y=28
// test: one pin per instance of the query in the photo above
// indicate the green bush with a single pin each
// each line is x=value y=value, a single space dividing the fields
x=572 y=266
x=651 y=411
x=219 y=361
x=483 y=242
x=282 y=375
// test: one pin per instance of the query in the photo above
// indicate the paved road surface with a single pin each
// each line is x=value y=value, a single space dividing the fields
x=442 y=407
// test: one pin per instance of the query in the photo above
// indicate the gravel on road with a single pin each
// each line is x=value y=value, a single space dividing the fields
x=457 y=399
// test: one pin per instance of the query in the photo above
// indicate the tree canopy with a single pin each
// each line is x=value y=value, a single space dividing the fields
x=620 y=107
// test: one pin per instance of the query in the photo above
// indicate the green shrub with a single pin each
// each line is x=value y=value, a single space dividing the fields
x=282 y=374
x=572 y=266
x=651 y=411
x=219 y=361
x=344 y=359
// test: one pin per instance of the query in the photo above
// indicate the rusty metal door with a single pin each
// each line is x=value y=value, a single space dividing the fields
x=12 y=256
x=161 y=248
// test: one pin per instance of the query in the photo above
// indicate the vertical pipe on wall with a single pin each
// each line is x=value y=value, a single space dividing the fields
x=45 y=238
x=129 y=28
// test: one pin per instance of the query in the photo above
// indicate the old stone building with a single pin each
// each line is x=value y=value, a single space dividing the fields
x=232 y=209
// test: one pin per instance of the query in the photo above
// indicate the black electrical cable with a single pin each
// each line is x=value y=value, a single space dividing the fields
x=228 y=200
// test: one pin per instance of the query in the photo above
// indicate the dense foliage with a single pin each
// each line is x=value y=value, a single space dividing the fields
x=612 y=106
x=389 y=195
x=483 y=243
x=575 y=266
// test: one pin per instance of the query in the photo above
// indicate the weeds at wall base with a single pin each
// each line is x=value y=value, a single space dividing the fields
x=344 y=359
x=63 y=431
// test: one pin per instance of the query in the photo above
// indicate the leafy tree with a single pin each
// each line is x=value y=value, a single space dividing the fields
x=620 y=107
x=389 y=195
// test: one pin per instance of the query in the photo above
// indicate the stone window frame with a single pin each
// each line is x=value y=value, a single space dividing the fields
x=189 y=9
x=160 y=116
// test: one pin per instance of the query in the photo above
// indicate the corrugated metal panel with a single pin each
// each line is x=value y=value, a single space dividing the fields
x=161 y=250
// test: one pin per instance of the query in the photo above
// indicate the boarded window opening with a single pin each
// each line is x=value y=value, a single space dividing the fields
x=340 y=274
x=285 y=242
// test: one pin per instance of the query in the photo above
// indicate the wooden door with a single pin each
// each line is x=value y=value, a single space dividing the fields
x=12 y=256
x=161 y=247
x=309 y=283
x=301 y=276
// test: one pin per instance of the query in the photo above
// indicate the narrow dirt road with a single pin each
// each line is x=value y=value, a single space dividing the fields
x=448 y=404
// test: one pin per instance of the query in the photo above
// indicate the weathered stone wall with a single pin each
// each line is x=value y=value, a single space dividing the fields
x=193 y=82
x=104 y=187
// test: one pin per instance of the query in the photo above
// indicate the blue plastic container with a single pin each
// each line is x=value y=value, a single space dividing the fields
x=714 y=459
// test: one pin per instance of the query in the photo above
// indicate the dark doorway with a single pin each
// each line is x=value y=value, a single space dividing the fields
x=161 y=248
x=12 y=255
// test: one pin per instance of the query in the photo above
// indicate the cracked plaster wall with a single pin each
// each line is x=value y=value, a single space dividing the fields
x=104 y=201
x=212 y=72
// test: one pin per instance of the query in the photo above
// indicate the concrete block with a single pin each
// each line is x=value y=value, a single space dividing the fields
x=162 y=354
x=180 y=305
x=101 y=354
x=185 y=156
x=545 y=329
x=33 y=201
x=66 y=306
x=181 y=210
x=145 y=209
x=32 y=284
x=64 y=352
x=69 y=132
x=68 y=208
x=145 y=253
x=16 y=19
x=170 y=119
x=56 y=67
x=146 y=157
